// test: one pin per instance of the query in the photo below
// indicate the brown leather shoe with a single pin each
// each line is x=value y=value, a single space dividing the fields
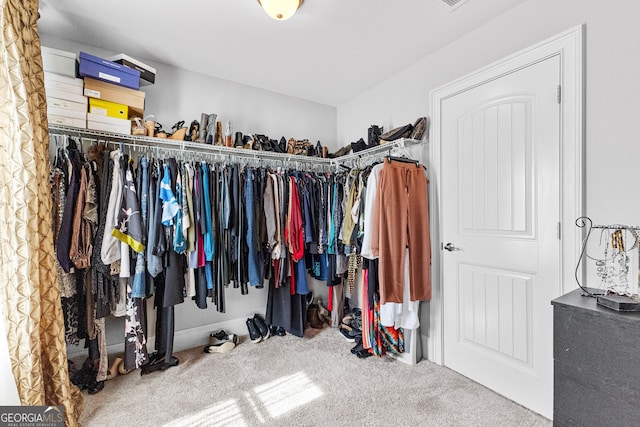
x=397 y=133
x=343 y=151
x=313 y=316
x=419 y=128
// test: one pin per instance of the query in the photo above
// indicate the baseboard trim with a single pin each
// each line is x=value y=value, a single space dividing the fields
x=183 y=339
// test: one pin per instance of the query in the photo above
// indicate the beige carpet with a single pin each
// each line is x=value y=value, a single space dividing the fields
x=290 y=381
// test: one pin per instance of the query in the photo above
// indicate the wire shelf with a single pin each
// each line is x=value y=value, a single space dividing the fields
x=146 y=142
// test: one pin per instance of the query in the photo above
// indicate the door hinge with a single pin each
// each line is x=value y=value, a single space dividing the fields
x=559 y=94
x=559 y=231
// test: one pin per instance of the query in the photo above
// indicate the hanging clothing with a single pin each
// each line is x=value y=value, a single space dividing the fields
x=402 y=206
x=110 y=250
x=174 y=263
x=129 y=225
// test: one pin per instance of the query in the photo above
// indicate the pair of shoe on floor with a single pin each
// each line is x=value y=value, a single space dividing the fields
x=117 y=368
x=317 y=314
x=360 y=351
x=353 y=319
x=354 y=335
x=85 y=377
x=221 y=342
x=351 y=326
x=258 y=329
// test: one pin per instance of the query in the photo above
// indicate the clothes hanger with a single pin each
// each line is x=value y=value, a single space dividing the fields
x=401 y=160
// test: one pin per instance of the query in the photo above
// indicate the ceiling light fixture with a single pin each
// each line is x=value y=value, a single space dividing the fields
x=280 y=10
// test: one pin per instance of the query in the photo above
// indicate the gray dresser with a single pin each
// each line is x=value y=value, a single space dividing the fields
x=596 y=354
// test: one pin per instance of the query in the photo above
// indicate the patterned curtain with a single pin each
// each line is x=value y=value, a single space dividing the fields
x=29 y=294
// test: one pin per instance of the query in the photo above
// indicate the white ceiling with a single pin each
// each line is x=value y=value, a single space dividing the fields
x=329 y=52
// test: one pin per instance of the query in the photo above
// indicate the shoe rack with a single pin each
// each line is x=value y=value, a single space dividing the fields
x=166 y=147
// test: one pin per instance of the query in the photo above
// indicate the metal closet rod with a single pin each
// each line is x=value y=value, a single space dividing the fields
x=617 y=227
x=585 y=221
x=150 y=144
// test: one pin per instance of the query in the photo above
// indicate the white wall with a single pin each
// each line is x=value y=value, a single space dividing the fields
x=612 y=91
x=182 y=95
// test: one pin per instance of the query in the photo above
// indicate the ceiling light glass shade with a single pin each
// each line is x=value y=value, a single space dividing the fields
x=280 y=10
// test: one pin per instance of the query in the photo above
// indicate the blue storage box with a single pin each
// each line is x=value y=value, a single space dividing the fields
x=101 y=69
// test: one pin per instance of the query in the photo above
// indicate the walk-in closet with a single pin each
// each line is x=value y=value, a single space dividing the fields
x=287 y=212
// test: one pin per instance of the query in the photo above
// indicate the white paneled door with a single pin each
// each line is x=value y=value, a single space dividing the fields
x=500 y=196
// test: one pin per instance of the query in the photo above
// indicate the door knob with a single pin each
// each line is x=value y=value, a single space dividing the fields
x=450 y=247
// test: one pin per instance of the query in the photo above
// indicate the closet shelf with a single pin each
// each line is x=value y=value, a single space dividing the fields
x=168 y=144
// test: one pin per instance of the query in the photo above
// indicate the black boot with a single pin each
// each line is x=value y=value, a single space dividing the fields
x=373 y=135
x=194 y=131
x=238 y=143
x=358 y=145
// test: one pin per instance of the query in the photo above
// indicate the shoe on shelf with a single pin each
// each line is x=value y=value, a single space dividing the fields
x=343 y=151
x=254 y=334
x=194 y=131
x=238 y=140
x=178 y=131
x=202 y=134
x=159 y=132
x=218 y=134
x=359 y=145
x=373 y=135
x=248 y=142
x=262 y=326
x=138 y=128
x=150 y=125
x=210 y=132
x=419 y=128
x=397 y=133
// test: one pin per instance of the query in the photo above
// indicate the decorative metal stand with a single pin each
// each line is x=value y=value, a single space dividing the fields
x=619 y=274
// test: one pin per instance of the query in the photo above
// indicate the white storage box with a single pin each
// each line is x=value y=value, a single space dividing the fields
x=66 y=104
x=108 y=124
x=63 y=83
x=108 y=128
x=67 y=121
x=65 y=112
x=59 y=61
x=60 y=94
